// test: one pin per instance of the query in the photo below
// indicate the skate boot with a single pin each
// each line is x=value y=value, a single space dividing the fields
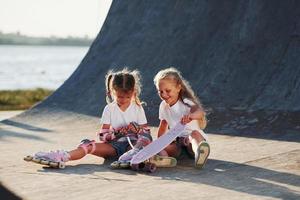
x=124 y=161
x=153 y=163
x=144 y=167
x=55 y=159
x=120 y=165
x=201 y=154
x=163 y=161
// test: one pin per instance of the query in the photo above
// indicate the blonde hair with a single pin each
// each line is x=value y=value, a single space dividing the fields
x=186 y=90
x=124 y=81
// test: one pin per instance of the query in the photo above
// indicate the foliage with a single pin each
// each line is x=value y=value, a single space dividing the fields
x=19 y=39
x=22 y=99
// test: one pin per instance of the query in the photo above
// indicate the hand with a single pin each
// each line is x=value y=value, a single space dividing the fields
x=186 y=119
x=122 y=130
x=133 y=127
x=106 y=137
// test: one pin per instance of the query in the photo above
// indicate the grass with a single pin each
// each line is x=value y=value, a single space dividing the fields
x=22 y=99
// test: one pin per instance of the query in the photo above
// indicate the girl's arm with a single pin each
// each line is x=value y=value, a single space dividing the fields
x=104 y=133
x=144 y=125
x=163 y=127
x=133 y=127
x=196 y=113
x=105 y=126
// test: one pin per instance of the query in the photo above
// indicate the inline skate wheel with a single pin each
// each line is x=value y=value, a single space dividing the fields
x=115 y=165
x=135 y=167
x=28 y=158
x=150 y=167
x=61 y=165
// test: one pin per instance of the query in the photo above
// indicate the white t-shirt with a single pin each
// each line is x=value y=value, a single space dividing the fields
x=173 y=115
x=113 y=115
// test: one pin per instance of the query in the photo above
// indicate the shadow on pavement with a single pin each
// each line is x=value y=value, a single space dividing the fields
x=6 y=133
x=238 y=177
x=284 y=136
x=7 y=194
x=223 y=174
x=24 y=126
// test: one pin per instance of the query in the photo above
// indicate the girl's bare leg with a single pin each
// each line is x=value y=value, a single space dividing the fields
x=77 y=154
x=195 y=138
x=200 y=149
x=172 y=150
x=163 y=153
x=102 y=150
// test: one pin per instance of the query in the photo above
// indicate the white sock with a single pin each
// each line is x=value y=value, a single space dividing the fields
x=195 y=145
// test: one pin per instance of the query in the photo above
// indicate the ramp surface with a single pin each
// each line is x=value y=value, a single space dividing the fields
x=241 y=58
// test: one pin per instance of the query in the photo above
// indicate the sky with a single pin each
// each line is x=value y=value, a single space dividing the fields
x=60 y=18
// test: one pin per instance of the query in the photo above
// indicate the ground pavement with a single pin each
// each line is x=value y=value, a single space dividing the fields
x=238 y=168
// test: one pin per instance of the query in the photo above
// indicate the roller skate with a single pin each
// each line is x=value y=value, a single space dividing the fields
x=145 y=166
x=120 y=165
x=202 y=154
x=163 y=161
x=124 y=161
x=150 y=165
x=54 y=159
x=155 y=162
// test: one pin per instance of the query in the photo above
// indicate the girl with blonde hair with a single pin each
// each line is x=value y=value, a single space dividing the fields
x=181 y=105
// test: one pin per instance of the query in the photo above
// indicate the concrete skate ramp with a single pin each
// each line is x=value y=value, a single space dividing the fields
x=241 y=58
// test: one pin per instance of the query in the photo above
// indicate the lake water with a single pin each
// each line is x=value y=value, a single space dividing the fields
x=29 y=67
